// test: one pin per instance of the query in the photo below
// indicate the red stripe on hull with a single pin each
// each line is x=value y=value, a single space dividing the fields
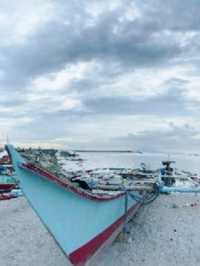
x=67 y=184
x=7 y=187
x=84 y=253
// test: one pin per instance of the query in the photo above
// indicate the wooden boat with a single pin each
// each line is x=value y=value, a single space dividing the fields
x=82 y=223
x=4 y=160
x=7 y=181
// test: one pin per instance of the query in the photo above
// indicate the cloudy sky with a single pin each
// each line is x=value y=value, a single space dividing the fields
x=101 y=74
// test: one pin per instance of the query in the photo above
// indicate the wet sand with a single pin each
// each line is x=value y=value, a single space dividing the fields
x=166 y=232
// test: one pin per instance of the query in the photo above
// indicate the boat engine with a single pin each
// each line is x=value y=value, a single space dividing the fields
x=167 y=173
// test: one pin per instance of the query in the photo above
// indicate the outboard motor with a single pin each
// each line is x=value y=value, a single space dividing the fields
x=167 y=173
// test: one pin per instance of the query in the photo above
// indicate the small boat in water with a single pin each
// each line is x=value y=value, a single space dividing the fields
x=81 y=222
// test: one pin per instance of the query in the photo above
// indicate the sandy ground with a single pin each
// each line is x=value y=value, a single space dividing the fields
x=166 y=233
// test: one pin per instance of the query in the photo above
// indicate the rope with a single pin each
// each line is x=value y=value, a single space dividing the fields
x=149 y=197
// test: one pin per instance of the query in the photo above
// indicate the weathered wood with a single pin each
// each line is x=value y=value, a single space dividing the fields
x=148 y=188
x=143 y=181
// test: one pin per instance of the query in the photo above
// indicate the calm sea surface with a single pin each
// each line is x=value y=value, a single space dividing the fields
x=152 y=160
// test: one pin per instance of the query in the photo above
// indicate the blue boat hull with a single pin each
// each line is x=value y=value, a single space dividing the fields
x=81 y=224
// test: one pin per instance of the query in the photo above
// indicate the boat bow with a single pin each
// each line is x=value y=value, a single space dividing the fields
x=80 y=222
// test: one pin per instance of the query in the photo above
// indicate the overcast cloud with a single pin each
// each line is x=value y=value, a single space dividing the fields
x=101 y=74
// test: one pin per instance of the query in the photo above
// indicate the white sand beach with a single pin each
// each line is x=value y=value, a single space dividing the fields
x=166 y=232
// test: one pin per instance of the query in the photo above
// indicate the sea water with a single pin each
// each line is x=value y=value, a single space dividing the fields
x=133 y=160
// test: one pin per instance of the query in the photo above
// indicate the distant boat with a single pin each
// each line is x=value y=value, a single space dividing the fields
x=82 y=223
